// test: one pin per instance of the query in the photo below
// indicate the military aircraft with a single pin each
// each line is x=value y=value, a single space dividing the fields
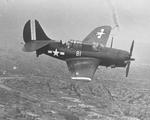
x=82 y=57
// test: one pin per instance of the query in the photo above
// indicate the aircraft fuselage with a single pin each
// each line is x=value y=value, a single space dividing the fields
x=107 y=56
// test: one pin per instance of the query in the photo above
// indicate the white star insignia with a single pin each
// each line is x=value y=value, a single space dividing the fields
x=55 y=52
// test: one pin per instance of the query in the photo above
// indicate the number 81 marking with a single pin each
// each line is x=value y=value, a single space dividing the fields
x=78 y=53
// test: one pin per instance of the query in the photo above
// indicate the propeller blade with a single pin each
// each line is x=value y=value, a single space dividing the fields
x=112 y=42
x=127 y=69
x=130 y=59
x=131 y=49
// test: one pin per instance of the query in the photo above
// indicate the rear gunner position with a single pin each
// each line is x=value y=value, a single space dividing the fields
x=82 y=58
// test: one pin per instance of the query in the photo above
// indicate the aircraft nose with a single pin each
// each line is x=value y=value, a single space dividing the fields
x=125 y=55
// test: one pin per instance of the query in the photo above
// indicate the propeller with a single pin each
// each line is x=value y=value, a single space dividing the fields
x=112 y=42
x=130 y=59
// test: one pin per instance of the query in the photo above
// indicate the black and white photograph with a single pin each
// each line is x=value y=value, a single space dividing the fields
x=74 y=60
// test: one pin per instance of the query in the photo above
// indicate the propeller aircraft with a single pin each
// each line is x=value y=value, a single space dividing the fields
x=82 y=57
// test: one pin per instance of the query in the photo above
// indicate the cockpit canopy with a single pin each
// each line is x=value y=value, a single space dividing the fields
x=76 y=44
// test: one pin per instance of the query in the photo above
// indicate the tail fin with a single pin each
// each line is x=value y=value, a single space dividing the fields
x=33 y=31
x=34 y=36
x=99 y=35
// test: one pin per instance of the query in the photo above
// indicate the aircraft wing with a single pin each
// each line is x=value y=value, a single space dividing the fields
x=82 y=68
x=99 y=35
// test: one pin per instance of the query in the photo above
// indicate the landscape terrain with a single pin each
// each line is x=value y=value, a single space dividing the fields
x=41 y=89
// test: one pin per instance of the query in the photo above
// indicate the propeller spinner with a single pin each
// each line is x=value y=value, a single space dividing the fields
x=130 y=59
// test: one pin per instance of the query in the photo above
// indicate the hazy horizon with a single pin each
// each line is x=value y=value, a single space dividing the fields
x=74 y=19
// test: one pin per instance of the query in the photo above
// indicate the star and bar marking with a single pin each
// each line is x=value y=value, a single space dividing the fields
x=56 y=52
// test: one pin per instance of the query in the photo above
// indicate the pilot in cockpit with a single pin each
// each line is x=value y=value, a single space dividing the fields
x=96 y=46
x=70 y=43
x=63 y=43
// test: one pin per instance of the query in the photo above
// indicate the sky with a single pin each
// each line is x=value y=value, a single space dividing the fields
x=75 y=19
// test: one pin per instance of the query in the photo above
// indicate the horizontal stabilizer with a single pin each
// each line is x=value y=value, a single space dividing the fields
x=35 y=45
